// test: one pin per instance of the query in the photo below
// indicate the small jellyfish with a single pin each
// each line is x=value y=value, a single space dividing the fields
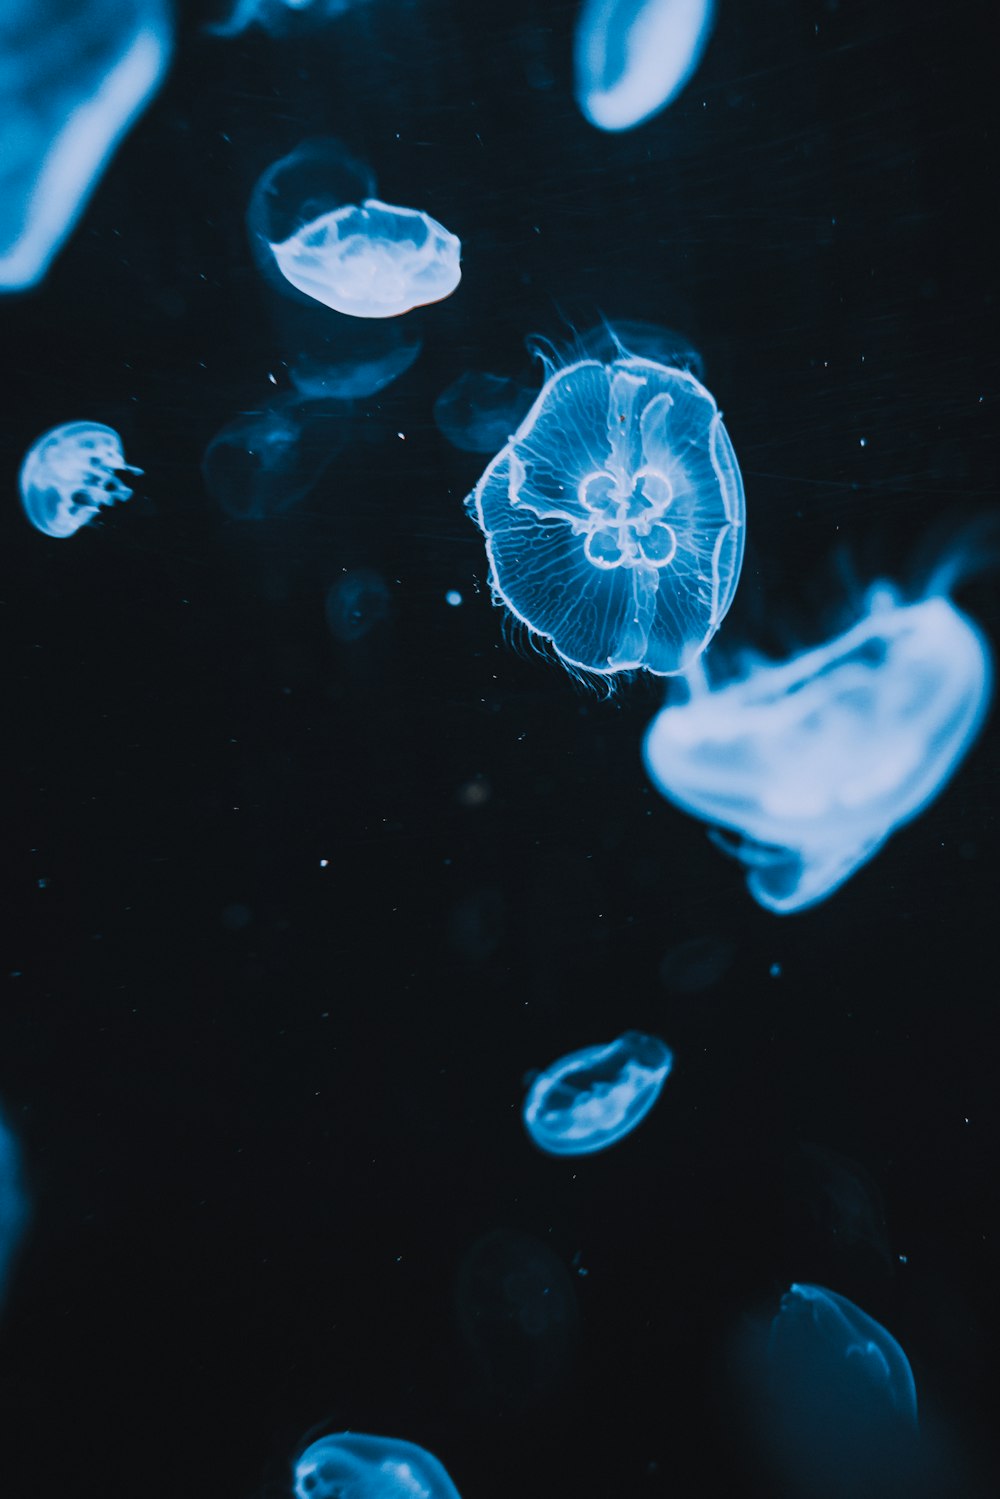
x=478 y=412
x=633 y=57
x=13 y=1205
x=614 y=516
x=374 y=364
x=72 y=79
x=371 y=259
x=355 y=604
x=350 y=1466
x=70 y=474
x=280 y=16
x=263 y=462
x=590 y=1099
x=813 y=762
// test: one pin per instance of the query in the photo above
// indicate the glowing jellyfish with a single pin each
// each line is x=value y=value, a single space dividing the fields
x=263 y=462
x=614 y=516
x=73 y=77
x=281 y=16
x=13 y=1205
x=70 y=474
x=816 y=1327
x=633 y=57
x=813 y=762
x=349 y=1466
x=347 y=376
x=478 y=412
x=355 y=604
x=590 y=1099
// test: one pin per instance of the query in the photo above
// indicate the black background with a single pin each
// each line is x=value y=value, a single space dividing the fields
x=268 y=1107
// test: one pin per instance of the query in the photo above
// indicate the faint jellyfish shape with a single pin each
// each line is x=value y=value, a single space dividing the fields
x=633 y=57
x=73 y=77
x=13 y=1204
x=697 y=964
x=835 y=1205
x=350 y=1466
x=813 y=762
x=263 y=462
x=318 y=177
x=588 y=1100
x=70 y=474
x=518 y=1316
x=614 y=516
x=280 y=17
x=353 y=376
x=478 y=412
x=355 y=604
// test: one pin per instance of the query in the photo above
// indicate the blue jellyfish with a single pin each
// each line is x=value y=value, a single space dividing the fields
x=13 y=1204
x=349 y=1466
x=351 y=375
x=70 y=474
x=355 y=604
x=614 y=516
x=263 y=462
x=478 y=412
x=590 y=1099
x=73 y=77
x=633 y=57
x=280 y=16
x=811 y=763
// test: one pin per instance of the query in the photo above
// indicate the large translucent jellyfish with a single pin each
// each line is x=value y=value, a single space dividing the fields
x=263 y=462
x=74 y=74
x=349 y=1466
x=813 y=762
x=633 y=57
x=70 y=474
x=13 y=1205
x=590 y=1099
x=614 y=516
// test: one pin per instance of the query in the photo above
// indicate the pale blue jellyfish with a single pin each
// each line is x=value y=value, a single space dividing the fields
x=263 y=462
x=74 y=74
x=590 y=1099
x=633 y=57
x=351 y=374
x=70 y=474
x=614 y=516
x=280 y=16
x=349 y=1466
x=13 y=1204
x=478 y=412
x=811 y=763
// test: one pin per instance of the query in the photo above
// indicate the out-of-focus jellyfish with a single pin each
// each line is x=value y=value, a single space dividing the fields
x=478 y=411
x=345 y=377
x=835 y=1206
x=813 y=762
x=633 y=57
x=350 y=1466
x=70 y=474
x=590 y=1099
x=816 y=1327
x=355 y=604
x=614 y=516
x=518 y=1316
x=263 y=462
x=74 y=74
x=13 y=1204
x=280 y=16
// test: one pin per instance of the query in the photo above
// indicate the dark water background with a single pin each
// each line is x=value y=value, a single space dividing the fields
x=268 y=1108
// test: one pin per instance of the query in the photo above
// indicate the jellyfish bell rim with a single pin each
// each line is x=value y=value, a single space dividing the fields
x=549 y=1078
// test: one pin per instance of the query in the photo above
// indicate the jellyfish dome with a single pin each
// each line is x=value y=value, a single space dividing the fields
x=592 y=1098
x=633 y=57
x=813 y=762
x=13 y=1204
x=350 y=1466
x=70 y=474
x=614 y=516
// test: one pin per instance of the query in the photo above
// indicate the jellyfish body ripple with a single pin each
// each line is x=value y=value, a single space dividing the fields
x=614 y=517
x=592 y=1098
x=70 y=474
x=812 y=763
x=350 y=1466
x=632 y=57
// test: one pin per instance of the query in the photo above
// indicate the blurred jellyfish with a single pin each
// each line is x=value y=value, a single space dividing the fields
x=813 y=762
x=836 y=1205
x=590 y=1099
x=355 y=604
x=346 y=375
x=633 y=57
x=13 y=1205
x=263 y=462
x=614 y=516
x=350 y=1466
x=74 y=74
x=281 y=16
x=70 y=474
x=478 y=411
x=518 y=1316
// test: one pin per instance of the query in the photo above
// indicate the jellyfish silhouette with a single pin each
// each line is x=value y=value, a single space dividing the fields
x=263 y=462
x=73 y=77
x=366 y=1467
x=614 y=516
x=70 y=474
x=13 y=1205
x=632 y=57
x=478 y=411
x=592 y=1098
x=280 y=16
x=812 y=763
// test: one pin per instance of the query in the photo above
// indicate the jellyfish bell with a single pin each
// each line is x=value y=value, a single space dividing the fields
x=14 y=1210
x=614 y=516
x=633 y=57
x=592 y=1098
x=263 y=462
x=320 y=176
x=478 y=411
x=369 y=1467
x=70 y=474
